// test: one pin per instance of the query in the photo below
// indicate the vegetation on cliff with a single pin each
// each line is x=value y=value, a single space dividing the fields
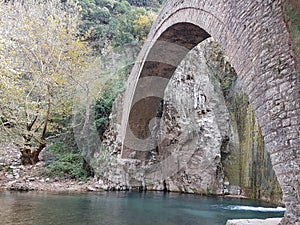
x=115 y=23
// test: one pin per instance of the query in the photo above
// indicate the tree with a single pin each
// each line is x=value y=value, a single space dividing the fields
x=132 y=27
x=41 y=59
x=145 y=3
x=116 y=22
x=142 y=25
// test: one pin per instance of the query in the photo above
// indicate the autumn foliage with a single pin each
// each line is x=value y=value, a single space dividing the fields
x=42 y=57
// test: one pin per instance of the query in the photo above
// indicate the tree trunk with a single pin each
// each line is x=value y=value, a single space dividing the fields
x=30 y=155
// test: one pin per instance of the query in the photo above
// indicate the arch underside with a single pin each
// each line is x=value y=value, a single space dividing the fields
x=260 y=53
x=162 y=61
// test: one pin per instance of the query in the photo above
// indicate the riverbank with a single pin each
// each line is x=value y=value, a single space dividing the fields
x=14 y=176
x=27 y=178
x=17 y=177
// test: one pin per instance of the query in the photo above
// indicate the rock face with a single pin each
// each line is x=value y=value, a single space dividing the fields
x=195 y=124
x=9 y=155
x=248 y=165
x=208 y=140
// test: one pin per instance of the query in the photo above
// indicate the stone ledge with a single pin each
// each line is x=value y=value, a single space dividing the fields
x=271 y=221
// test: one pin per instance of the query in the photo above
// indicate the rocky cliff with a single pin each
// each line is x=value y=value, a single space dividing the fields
x=194 y=123
x=206 y=130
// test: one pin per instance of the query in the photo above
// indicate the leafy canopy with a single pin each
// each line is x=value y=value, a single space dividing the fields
x=41 y=60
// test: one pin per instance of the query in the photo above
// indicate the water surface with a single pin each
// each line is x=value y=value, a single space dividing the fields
x=127 y=208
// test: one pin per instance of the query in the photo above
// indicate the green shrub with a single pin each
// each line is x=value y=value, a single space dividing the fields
x=64 y=162
x=105 y=102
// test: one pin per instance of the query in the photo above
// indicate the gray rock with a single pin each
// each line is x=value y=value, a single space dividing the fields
x=226 y=191
x=234 y=190
x=30 y=179
x=226 y=183
x=19 y=186
x=89 y=188
x=9 y=176
x=271 y=221
x=9 y=155
x=105 y=187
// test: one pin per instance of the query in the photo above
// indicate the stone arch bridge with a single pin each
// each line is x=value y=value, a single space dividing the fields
x=255 y=37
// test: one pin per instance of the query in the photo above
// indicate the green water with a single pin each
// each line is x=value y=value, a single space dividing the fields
x=125 y=208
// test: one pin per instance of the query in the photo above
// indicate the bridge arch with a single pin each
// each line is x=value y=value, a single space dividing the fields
x=254 y=36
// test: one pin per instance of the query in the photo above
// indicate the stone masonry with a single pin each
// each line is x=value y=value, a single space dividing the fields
x=255 y=37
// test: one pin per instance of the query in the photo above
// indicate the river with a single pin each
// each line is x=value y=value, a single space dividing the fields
x=127 y=208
